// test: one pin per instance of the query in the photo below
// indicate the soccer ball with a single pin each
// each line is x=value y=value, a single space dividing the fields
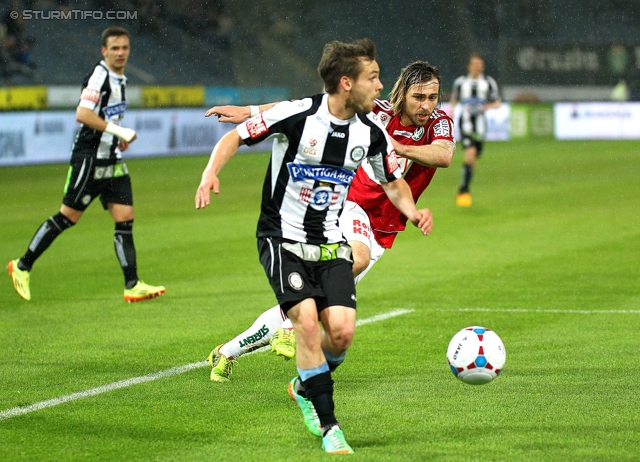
x=476 y=355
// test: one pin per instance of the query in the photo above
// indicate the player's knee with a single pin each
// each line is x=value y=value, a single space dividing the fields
x=342 y=337
x=69 y=214
x=307 y=327
x=359 y=266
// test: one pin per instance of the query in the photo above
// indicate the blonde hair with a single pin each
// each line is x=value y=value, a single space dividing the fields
x=414 y=73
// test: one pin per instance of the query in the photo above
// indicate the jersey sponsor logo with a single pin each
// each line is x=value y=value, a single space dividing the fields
x=338 y=134
x=418 y=134
x=325 y=173
x=442 y=128
x=89 y=94
x=111 y=171
x=404 y=133
x=115 y=110
x=256 y=127
x=311 y=149
x=255 y=338
x=472 y=101
x=392 y=162
x=357 y=154
x=361 y=228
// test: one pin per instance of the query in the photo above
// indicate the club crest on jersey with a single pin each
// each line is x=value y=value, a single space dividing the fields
x=324 y=173
x=357 y=154
x=417 y=134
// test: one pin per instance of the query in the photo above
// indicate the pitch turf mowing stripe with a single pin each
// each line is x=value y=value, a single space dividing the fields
x=519 y=310
x=16 y=411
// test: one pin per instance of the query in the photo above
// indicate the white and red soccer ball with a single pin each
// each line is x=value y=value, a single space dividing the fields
x=476 y=355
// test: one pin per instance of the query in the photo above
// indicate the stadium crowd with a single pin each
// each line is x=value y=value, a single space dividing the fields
x=15 y=46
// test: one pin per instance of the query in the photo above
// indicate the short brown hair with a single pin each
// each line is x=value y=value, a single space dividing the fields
x=343 y=59
x=114 y=31
x=416 y=72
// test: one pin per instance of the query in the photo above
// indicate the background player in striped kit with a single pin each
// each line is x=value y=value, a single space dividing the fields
x=476 y=94
x=320 y=141
x=97 y=169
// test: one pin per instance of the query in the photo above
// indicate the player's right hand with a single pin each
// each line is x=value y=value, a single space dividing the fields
x=423 y=219
x=230 y=114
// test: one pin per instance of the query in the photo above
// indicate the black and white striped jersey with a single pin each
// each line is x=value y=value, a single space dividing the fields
x=103 y=91
x=472 y=94
x=313 y=161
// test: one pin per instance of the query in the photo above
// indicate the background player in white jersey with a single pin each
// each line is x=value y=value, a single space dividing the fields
x=96 y=169
x=319 y=143
x=423 y=135
x=476 y=93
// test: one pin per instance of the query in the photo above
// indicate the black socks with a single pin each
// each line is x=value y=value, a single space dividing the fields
x=126 y=252
x=48 y=231
x=467 y=173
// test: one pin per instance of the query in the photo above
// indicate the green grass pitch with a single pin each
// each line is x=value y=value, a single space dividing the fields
x=548 y=257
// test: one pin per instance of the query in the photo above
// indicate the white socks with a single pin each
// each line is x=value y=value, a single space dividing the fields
x=257 y=335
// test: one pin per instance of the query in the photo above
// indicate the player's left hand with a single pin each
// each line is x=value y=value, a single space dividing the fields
x=203 y=194
x=123 y=145
x=230 y=114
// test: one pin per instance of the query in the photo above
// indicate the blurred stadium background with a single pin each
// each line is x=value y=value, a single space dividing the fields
x=199 y=53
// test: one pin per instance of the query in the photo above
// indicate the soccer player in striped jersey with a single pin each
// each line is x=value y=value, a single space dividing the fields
x=96 y=169
x=319 y=142
x=476 y=94
x=423 y=135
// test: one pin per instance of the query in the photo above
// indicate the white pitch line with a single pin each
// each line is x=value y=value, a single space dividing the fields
x=522 y=310
x=16 y=411
x=21 y=410
x=382 y=317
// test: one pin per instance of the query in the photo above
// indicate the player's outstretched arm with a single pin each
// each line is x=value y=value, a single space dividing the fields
x=224 y=150
x=230 y=114
x=437 y=154
x=399 y=194
x=236 y=114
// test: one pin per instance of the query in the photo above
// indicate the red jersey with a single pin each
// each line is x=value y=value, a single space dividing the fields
x=386 y=220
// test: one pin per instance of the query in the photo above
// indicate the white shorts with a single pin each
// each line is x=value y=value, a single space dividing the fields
x=355 y=226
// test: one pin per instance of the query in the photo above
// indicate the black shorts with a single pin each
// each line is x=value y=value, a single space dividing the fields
x=469 y=141
x=86 y=181
x=293 y=279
